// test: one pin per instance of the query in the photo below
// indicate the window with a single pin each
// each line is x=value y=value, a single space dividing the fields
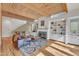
x=74 y=27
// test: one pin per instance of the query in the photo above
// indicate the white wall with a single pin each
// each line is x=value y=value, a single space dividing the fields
x=57 y=17
x=10 y=24
x=26 y=27
x=71 y=38
x=73 y=12
x=46 y=22
x=41 y=28
x=72 y=6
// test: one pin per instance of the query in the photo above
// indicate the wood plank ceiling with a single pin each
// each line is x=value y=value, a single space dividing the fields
x=31 y=11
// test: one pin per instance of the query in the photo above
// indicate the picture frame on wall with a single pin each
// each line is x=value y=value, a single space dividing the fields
x=42 y=23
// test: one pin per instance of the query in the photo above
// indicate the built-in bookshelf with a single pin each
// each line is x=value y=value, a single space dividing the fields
x=58 y=27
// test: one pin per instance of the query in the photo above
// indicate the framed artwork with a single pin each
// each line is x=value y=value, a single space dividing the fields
x=42 y=23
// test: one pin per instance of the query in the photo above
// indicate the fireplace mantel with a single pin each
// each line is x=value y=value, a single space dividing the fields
x=42 y=33
x=44 y=30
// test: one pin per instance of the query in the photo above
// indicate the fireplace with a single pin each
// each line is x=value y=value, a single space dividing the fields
x=42 y=34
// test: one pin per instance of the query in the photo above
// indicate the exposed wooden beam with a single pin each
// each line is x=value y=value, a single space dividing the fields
x=9 y=14
x=65 y=7
x=17 y=8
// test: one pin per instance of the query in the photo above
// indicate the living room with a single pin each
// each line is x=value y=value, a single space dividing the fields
x=39 y=32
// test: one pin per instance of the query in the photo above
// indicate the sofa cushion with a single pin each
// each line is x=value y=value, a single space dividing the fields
x=20 y=43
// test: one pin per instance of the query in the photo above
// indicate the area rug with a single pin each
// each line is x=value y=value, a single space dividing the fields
x=27 y=50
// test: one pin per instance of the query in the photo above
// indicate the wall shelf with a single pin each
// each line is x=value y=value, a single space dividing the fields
x=58 y=27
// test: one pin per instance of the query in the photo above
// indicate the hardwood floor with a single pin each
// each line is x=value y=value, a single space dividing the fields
x=0 y=46
x=8 y=49
x=54 y=48
x=0 y=50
